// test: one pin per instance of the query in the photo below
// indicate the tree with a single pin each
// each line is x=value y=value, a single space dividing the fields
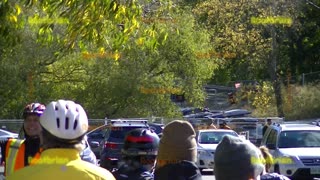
x=232 y=33
x=255 y=31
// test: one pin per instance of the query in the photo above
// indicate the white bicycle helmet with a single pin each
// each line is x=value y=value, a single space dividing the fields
x=65 y=119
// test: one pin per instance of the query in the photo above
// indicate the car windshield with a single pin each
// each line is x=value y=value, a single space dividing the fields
x=299 y=139
x=214 y=137
x=252 y=130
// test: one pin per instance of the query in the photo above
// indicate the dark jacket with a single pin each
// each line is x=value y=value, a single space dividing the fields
x=185 y=170
x=127 y=173
x=264 y=129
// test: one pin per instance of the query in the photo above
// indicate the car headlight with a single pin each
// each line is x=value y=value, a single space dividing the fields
x=203 y=152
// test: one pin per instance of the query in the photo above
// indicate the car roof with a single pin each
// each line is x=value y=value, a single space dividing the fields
x=127 y=122
x=216 y=130
x=7 y=132
x=297 y=127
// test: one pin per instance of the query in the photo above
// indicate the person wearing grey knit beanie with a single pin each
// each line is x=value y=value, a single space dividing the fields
x=237 y=159
x=177 y=153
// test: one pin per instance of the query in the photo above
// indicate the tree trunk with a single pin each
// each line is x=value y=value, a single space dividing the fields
x=273 y=73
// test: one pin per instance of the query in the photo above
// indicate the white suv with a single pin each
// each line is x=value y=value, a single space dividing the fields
x=295 y=148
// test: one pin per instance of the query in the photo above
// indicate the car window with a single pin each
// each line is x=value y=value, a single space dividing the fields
x=296 y=139
x=213 y=137
x=272 y=137
x=252 y=130
x=98 y=133
x=119 y=133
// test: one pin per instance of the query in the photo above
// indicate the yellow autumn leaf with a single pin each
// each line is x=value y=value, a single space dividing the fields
x=18 y=9
x=140 y=41
x=116 y=55
x=114 y=6
x=13 y=18
x=102 y=50
x=123 y=10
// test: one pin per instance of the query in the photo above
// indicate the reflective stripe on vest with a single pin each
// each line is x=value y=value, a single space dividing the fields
x=14 y=155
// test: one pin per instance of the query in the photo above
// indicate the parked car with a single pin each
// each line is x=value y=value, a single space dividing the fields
x=295 y=148
x=156 y=127
x=207 y=142
x=95 y=137
x=4 y=134
x=113 y=134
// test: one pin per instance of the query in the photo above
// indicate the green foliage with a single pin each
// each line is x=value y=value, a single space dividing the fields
x=138 y=84
x=263 y=101
x=9 y=23
x=302 y=102
x=141 y=81
x=232 y=33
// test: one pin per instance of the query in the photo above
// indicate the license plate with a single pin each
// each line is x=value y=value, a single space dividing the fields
x=315 y=170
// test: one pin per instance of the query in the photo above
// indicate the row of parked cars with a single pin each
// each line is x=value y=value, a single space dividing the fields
x=107 y=140
x=294 y=146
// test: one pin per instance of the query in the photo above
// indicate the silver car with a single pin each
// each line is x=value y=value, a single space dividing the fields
x=4 y=134
x=207 y=141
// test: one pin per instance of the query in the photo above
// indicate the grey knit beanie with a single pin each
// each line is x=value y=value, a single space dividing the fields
x=237 y=159
x=178 y=142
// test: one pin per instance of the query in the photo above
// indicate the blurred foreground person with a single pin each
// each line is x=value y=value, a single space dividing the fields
x=139 y=154
x=268 y=161
x=18 y=153
x=177 y=153
x=64 y=125
x=237 y=159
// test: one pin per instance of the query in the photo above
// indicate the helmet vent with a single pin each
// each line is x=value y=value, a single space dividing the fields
x=67 y=107
x=58 y=122
x=75 y=124
x=67 y=123
x=56 y=108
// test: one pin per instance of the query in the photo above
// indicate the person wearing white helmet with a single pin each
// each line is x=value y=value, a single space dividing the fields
x=64 y=124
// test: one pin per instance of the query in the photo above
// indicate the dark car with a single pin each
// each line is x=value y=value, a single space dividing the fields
x=113 y=134
x=156 y=127
x=95 y=137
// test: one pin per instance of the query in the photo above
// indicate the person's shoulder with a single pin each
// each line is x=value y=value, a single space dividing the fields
x=24 y=173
